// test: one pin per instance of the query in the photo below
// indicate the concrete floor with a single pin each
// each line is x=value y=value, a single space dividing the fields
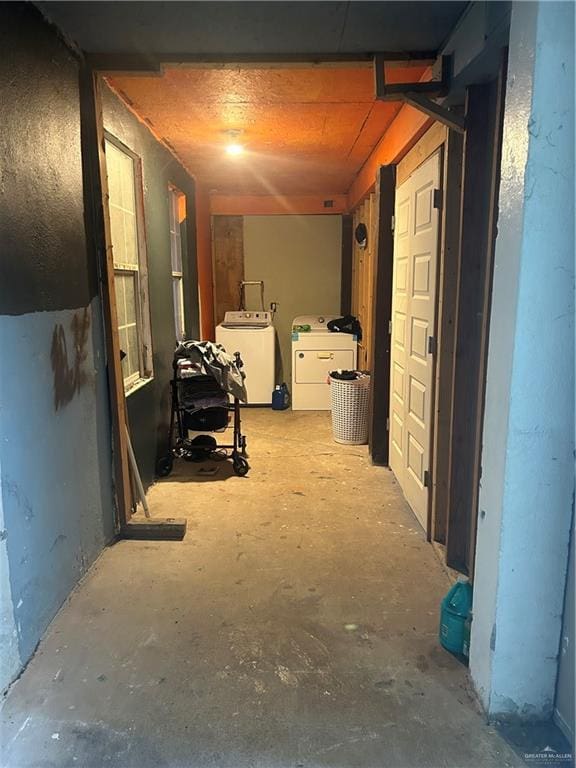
x=295 y=626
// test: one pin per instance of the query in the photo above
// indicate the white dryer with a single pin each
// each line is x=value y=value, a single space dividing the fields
x=314 y=354
x=252 y=334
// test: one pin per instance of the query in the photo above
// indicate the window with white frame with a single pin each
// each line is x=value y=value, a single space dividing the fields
x=177 y=203
x=130 y=272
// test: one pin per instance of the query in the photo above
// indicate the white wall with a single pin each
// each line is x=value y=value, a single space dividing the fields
x=299 y=259
x=527 y=460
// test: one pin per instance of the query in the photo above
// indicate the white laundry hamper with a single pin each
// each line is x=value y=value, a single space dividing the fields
x=350 y=409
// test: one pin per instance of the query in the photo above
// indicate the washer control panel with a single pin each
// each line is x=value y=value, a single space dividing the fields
x=247 y=319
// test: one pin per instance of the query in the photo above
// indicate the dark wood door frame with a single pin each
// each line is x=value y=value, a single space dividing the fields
x=446 y=307
x=480 y=185
x=378 y=432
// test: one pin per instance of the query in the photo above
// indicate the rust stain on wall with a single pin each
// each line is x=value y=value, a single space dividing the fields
x=69 y=376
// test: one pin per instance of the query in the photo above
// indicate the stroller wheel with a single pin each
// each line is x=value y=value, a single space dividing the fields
x=164 y=466
x=241 y=466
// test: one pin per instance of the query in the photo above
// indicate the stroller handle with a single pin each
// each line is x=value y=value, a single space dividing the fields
x=239 y=364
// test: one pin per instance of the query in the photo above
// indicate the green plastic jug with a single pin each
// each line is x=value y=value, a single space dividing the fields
x=455 y=609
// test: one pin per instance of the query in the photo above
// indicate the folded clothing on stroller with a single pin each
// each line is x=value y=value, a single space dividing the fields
x=204 y=377
x=196 y=358
x=204 y=404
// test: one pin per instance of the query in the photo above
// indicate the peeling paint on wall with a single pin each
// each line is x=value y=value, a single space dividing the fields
x=69 y=376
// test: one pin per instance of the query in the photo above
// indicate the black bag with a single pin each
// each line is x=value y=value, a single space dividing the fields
x=206 y=420
x=346 y=324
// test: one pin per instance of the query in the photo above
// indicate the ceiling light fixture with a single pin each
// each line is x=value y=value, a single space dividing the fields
x=234 y=147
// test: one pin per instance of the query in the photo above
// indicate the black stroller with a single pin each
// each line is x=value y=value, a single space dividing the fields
x=204 y=376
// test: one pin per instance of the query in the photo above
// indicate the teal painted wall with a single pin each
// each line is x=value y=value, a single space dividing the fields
x=527 y=485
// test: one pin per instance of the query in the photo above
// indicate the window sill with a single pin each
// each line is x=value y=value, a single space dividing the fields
x=138 y=385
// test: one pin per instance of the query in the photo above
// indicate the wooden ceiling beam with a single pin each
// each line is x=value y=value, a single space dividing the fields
x=419 y=95
x=139 y=64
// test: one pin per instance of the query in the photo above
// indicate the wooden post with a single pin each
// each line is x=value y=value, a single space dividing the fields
x=346 y=269
x=381 y=316
x=447 y=290
x=227 y=263
x=487 y=294
x=477 y=233
x=99 y=239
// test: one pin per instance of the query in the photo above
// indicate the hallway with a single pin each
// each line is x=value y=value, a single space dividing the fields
x=296 y=625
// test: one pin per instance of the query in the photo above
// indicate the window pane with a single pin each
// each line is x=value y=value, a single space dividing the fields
x=113 y=171
x=178 y=307
x=125 y=203
x=130 y=240
x=128 y=183
x=119 y=283
x=175 y=239
x=122 y=205
x=126 y=286
x=123 y=334
x=117 y=234
x=130 y=293
x=176 y=252
x=173 y=203
x=133 y=358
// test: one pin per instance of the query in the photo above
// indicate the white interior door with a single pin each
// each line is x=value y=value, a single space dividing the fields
x=413 y=316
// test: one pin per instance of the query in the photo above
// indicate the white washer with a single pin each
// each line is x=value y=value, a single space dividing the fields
x=252 y=334
x=314 y=354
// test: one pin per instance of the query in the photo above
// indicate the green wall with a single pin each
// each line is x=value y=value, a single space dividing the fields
x=299 y=259
x=149 y=406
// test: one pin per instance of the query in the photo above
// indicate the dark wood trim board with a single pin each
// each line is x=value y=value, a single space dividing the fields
x=382 y=312
x=476 y=253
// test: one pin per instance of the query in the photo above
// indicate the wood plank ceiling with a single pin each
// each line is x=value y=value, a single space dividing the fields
x=306 y=130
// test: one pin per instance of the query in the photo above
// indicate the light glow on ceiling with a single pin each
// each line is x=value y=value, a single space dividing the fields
x=235 y=149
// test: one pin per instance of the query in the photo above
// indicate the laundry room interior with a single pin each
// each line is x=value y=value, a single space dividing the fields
x=298 y=258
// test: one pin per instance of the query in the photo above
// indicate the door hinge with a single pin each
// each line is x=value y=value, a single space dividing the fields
x=387 y=424
x=431 y=345
x=392 y=222
x=390 y=327
x=438 y=198
x=426 y=479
